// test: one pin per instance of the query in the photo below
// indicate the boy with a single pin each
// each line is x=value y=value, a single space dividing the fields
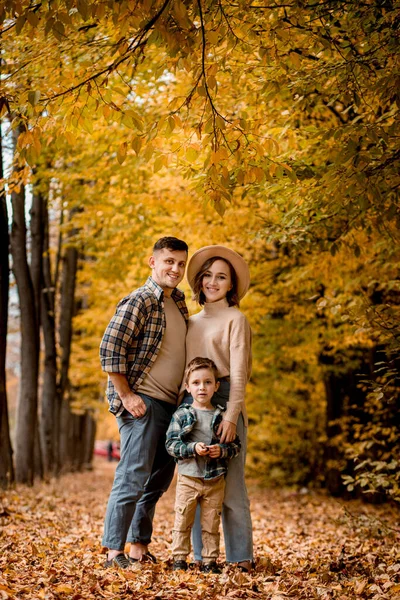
x=202 y=465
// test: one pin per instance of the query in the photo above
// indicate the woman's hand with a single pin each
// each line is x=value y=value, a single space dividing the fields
x=227 y=431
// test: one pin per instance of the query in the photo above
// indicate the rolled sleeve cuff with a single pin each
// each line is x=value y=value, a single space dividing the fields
x=114 y=364
x=191 y=448
x=224 y=451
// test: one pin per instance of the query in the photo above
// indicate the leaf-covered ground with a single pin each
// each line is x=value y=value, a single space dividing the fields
x=307 y=546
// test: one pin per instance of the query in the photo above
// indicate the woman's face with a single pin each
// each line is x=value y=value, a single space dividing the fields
x=216 y=281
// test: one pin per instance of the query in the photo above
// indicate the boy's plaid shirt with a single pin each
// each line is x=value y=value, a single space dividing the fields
x=181 y=425
x=133 y=337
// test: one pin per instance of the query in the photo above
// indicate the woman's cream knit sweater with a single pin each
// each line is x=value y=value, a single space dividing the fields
x=222 y=333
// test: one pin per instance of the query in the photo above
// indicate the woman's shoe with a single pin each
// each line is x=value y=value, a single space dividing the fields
x=148 y=557
x=120 y=561
x=246 y=566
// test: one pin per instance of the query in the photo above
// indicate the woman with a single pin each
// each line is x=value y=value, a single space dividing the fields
x=219 y=278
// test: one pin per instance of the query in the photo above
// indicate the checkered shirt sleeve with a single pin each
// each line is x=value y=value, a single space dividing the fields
x=124 y=327
x=175 y=444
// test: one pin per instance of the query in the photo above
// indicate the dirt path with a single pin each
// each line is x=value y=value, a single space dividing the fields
x=307 y=546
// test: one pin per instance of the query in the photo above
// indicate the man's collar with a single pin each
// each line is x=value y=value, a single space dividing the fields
x=159 y=292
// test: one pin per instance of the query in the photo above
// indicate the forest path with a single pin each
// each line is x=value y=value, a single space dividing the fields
x=307 y=546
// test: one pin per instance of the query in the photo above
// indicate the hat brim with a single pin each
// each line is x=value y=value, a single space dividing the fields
x=238 y=263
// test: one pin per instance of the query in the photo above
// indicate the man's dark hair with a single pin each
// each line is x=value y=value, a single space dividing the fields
x=171 y=243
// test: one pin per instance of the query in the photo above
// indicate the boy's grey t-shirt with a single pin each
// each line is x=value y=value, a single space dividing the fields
x=201 y=432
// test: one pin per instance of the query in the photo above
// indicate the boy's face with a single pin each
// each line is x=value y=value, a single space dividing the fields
x=201 y=386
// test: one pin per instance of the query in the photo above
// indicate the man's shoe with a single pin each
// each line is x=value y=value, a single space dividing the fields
x=120 y=561
x=210 y=567
x=179 y=565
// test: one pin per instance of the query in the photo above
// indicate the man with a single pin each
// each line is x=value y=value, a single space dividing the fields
x=143 y=352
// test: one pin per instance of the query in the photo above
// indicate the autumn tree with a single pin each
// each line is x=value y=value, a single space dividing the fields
x=282 y=118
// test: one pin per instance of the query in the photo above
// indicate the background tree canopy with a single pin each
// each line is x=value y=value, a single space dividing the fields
x=269 y=126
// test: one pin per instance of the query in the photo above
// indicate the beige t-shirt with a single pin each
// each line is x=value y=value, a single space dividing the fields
x=164 y=378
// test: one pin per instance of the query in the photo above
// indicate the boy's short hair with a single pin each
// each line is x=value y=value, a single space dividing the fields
x=201 y=363
x=171 y=243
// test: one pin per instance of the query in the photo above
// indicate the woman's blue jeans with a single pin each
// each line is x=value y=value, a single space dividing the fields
x=236 y=517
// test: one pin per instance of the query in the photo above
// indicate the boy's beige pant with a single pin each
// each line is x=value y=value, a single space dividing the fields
x=209 y=494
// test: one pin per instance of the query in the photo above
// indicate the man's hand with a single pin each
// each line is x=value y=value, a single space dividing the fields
x=131 y=401
x=227 y=431
x=201 y=449
x=134 y=404
x=214 y=451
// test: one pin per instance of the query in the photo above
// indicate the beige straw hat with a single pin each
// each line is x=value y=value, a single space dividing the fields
x=238 y=263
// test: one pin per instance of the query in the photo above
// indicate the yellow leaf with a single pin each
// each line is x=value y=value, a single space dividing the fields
x=34 y=97
x=32 y=18
x=137 y=144
x=213 y=37
x=272 y=169
x=148 y=153
x=295 y=58
x=220 y=207
x=122 y=150
x=191 y=154
x=220 y=122
x=212 y=82
x=119 y=91
x=159 y=163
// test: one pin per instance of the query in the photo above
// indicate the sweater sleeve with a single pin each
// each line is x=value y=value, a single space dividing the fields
x=240 y=366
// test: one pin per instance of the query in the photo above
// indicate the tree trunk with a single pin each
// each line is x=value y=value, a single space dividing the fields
x=67 y=311
x=37 y=235
x=70 y=265
x=89 y=437
x=6 y=463
x=27 y=406
x=49 y=411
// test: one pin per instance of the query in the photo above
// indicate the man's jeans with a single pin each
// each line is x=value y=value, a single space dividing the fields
x=143 y=474
x=236 y=517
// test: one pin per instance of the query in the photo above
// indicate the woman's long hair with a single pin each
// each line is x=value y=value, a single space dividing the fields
x=198 y=294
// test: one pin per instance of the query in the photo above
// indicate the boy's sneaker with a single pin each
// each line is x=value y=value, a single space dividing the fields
x=210 y=567
x=179 y=565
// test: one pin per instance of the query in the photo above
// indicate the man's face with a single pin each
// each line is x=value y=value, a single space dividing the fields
x=168 y=267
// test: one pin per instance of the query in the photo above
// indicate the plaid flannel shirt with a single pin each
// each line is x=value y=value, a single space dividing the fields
x=181 y=425
x=134 y=335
